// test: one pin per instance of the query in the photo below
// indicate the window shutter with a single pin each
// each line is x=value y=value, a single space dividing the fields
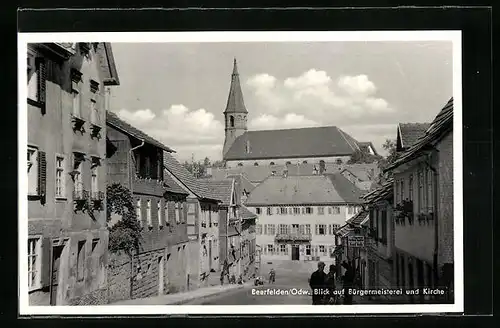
x=42 y=78
x=265 y=229
x=46 y=256
x=330 y=229
x=42 y=173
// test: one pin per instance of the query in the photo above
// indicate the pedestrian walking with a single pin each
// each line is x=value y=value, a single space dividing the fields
x=317 y=284
x=330 y=284
x=347 y=282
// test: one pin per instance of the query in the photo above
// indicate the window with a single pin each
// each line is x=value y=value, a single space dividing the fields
x=308 y=229
x=271 y=229
x=384 y=227
x=269 y=211
x=283 y=210
x=36 y=78
x=320 y=229
x=94 y=115
x=396 y=191
x=330 y=210
x=32 y=171
x=76 y=103
x=332 y=228
x=288 y=163
x=296 y=211
x=231 y=121
x=322 y=250
x=272 y=163
x=94 y=180
x=282 y=229
x=178 y=218
x=304 y=162
x=424 y=193
x=80 y=261
x=420 y=190
x=401 y=190
x=430 y=197
x=255 y=164
x=60 y=177
x=283 y=249
x=258 y=229
x=138 y=211
x=309 y=210
x=270 y=249
x=34 y=263
x=410 y=187
x=95 y=242
x=308 y=249
x=295 y=229
x=148 y=213
x=158 y=213
x=258 y=210
x=240 y=164
x=165 y=216
x=77 y=175
x=321 y=210
x=336 y=210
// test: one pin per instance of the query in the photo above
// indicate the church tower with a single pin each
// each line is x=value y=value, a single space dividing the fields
x=235 y=115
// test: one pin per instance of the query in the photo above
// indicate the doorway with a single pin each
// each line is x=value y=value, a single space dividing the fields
x=209 y=255
x=295 y=252
x=54 y=273
x=161 y=275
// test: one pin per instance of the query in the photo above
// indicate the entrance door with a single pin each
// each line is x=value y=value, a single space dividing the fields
x=54 y=275
x=209 y=254
x=295 y=252
x=161 y=275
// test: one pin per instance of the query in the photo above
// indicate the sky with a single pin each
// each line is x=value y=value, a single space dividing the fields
x=177 y=92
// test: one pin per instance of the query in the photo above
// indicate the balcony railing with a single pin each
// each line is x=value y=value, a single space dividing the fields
x=293 y=237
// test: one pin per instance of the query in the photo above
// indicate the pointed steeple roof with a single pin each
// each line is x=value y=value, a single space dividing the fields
x=235 y=103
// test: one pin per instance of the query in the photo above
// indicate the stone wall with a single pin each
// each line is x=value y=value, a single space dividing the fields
x=97 y=297
x=118 y=277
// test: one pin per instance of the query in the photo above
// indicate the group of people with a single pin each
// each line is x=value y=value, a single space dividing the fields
x=323 y=285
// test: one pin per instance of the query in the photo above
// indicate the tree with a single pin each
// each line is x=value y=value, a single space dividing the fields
x=392 y=156
x=360 y=157
x=125 y=235
x=199 y=169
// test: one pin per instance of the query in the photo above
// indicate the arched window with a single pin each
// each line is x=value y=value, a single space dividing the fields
x=339 y=161
x=231 y=121
x=255 y=164
x=288 y=163
x=304 y=162
x=272 y=163
x=240 y=164
x=322 y=162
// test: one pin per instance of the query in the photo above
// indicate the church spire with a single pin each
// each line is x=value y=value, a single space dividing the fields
x=235 y=103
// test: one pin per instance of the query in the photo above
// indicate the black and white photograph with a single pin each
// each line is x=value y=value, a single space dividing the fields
x=240 y=172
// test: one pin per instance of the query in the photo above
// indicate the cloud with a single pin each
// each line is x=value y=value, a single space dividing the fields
x=314 y=98
x=186 y=131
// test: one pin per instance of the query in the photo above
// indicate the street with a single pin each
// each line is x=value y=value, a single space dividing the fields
x=291 y=277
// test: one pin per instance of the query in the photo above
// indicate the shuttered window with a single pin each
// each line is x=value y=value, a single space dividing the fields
x=37 y=77
x=42 y=174
x=32 y=171
x=34 y=263
x=158 y=213
x=60 y=177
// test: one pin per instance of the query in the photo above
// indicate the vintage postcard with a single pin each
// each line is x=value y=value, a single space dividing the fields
x=240 y=172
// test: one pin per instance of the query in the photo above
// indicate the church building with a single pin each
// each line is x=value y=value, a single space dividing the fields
x=327 y=144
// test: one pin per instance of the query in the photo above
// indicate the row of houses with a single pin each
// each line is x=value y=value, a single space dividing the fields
x=190 y=229
x=407 y=223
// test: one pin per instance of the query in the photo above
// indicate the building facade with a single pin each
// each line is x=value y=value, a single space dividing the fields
x=423 y=192
x=135 y=161
x=297 y=216
x=68 y=238
x=202 y=223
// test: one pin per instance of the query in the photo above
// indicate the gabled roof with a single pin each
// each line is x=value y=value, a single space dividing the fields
x=296 y=190
x=171 y=186
x=357 y=219
x=382 y=192
x=292 y=143
x=440 y=126
x=345 y=188
x=113 y=120
x=220 y=189
x=107 y=64
x=235 y=103
x=245 y=214
x=365 y=145
x=410 y=132
x=243 y=183
x=361 y=174
x=196 y=186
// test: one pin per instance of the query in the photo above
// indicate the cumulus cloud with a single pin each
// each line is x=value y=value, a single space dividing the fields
x=186 y=131
x=291 y=120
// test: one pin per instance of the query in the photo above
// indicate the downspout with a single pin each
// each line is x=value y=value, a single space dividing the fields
x=435 y=211
x=131 y=192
